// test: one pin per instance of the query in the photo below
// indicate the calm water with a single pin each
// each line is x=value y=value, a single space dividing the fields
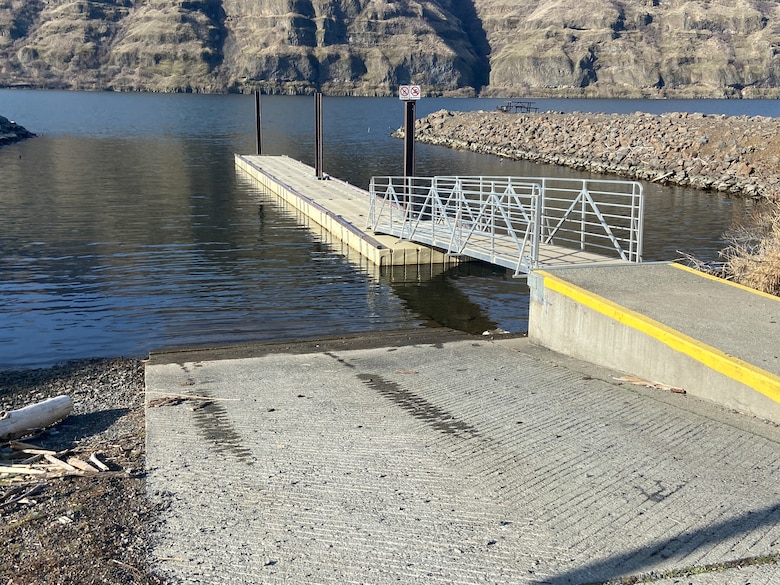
x=125 y=227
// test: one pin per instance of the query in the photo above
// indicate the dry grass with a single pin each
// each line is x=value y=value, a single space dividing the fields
x=752 y=257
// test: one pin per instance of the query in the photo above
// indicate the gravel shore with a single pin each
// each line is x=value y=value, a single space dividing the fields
x=89 y=528
x=734 y=154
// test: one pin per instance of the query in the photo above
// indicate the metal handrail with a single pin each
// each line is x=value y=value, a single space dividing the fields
x=601 y=215
x=480 y=219
x=489 y=218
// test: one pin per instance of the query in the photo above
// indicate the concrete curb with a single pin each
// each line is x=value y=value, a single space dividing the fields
x=597 y=326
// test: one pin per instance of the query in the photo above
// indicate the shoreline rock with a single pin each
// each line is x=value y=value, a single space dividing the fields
x=733 y=154
x=11 y=132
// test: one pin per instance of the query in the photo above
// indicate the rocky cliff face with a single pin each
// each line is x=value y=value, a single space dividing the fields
x=636 y=48
x=645 y=47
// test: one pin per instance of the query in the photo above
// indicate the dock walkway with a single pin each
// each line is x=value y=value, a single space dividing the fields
x=472 y=218
x=338 y=207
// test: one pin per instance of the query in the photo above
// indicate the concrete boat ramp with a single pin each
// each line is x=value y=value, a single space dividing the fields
x=433 y=457
x=647 y=454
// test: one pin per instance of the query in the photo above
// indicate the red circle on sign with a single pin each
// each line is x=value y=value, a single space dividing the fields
x=415 y=91
x=403 y=91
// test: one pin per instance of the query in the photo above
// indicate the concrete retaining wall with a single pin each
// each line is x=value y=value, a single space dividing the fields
x=574 y=322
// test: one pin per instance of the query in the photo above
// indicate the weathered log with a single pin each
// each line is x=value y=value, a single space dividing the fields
x=18 y=423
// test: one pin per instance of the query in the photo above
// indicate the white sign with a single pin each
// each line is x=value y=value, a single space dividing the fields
x=409 y=92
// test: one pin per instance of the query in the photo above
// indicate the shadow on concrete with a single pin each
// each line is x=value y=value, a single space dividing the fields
x=637 y=560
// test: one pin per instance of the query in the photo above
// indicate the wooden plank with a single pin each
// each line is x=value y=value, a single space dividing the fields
x=59 y=463
x=82 y=465
x=21 y=469
x=97 y=462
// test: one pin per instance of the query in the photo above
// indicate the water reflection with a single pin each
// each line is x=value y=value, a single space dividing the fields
x=679 y=220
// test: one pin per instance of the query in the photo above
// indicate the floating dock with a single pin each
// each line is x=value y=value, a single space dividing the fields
x=338 y=207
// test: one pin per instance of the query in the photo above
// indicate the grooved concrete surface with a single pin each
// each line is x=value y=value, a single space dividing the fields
x=465 y=461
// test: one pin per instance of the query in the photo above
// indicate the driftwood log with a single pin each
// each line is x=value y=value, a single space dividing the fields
x=18 y=423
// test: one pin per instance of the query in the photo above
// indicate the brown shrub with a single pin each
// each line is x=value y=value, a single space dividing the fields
x=752 y=257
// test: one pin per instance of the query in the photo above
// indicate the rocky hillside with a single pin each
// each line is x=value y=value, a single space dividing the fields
x=612 y=47
x=621 y=48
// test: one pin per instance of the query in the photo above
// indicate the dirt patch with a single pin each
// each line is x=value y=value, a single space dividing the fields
x=79 y=527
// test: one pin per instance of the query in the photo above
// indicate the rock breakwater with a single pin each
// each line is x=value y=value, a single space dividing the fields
x=10 y=131
x=734 y=154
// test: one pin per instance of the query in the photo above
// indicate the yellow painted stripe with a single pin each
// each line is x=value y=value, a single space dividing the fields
x=760 y=380
x=724 y=281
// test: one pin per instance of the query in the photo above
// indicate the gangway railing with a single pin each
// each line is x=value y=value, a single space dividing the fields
x=496 y=222
x=598 y=215
x=603 y=216
x=509 y=220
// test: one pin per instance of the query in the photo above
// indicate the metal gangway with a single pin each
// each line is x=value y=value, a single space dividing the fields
x=520 y=223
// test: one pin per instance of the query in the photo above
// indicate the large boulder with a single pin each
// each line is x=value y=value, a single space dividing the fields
x=10 y=131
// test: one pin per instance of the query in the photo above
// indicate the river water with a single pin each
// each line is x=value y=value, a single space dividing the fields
x=125 y=226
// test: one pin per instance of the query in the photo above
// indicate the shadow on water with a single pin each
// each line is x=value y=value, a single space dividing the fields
x=466 y=297
x=636 y=560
